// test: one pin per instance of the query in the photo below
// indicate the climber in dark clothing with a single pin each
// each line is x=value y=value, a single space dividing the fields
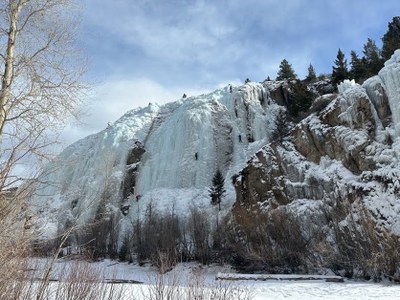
x=196 y=156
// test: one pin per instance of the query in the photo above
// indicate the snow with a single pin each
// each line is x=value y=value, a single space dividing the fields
x=345 y=85
x=275 y=289
x=329 y=291
x=351 y=140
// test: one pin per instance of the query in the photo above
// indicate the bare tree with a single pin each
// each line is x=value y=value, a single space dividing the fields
x=40 y=72
x=40 y=88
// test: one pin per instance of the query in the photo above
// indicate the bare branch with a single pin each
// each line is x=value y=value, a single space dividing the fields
x=40 y=88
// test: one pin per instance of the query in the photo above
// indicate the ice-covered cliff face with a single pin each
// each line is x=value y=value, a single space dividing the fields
x=160 y=154
x=190 y=139
x=346 y=154
x=167 y=155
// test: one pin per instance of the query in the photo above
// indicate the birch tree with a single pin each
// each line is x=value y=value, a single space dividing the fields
x=40 y=88
x=41 y=78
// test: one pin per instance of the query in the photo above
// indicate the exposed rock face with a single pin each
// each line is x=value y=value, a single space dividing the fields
x=342 y=131
x=262 y=179
x=279 y=91
x=331 y=134
x=343 y=148
x=278 y=175
x=132 y=167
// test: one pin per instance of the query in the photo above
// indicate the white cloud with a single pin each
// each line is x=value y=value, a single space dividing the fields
x=182 y=32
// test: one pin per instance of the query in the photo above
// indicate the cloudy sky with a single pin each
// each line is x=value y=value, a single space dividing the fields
x=143 y=51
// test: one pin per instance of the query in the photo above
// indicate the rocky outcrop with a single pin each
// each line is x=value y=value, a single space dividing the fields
x=340 y=151
x=278 y=175
x=262 y=179
x=342 y=131
x=278 y=91
x=132 y=169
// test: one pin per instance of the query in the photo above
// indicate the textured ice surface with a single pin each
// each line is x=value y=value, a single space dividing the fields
x=185 y=142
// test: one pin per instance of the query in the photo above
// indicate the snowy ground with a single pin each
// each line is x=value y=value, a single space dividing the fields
x=184 y=274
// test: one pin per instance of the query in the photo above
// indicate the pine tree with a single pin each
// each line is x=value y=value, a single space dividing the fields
x=372 y=58
x=358 y=69
x=311 y=74
x=281 y=127
x=391 y=39
x=286 y=71
x=217 y=189
x=300 y=98
x=340 y=71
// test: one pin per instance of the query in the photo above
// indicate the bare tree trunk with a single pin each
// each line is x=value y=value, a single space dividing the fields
x=40 y=74
x=5 y=93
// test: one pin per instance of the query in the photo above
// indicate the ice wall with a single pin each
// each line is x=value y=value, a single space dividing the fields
x=89 y=171
x=390 y=76
x=345 y=85
x=204 y=133
x=184 y=142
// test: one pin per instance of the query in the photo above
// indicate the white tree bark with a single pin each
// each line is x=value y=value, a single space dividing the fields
x=41 y=78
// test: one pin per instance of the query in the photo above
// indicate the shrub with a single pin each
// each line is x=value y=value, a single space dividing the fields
x=271 y=241
x=362 y=249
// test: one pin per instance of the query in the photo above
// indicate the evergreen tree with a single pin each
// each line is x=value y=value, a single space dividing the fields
x=300 y=98
x=339 y=71
x=217 y=189
x=358 y=69
x=372 y=58
x=281 y=127
x=391 y=39
x=286 y=71
x=311 y=74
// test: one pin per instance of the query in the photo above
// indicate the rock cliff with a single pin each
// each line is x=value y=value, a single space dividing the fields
x=349 y=148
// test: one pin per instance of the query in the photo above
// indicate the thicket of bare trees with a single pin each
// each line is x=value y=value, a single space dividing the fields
x=347 y=240
x=166 y=239
x=361 y=248
x=267 y=241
